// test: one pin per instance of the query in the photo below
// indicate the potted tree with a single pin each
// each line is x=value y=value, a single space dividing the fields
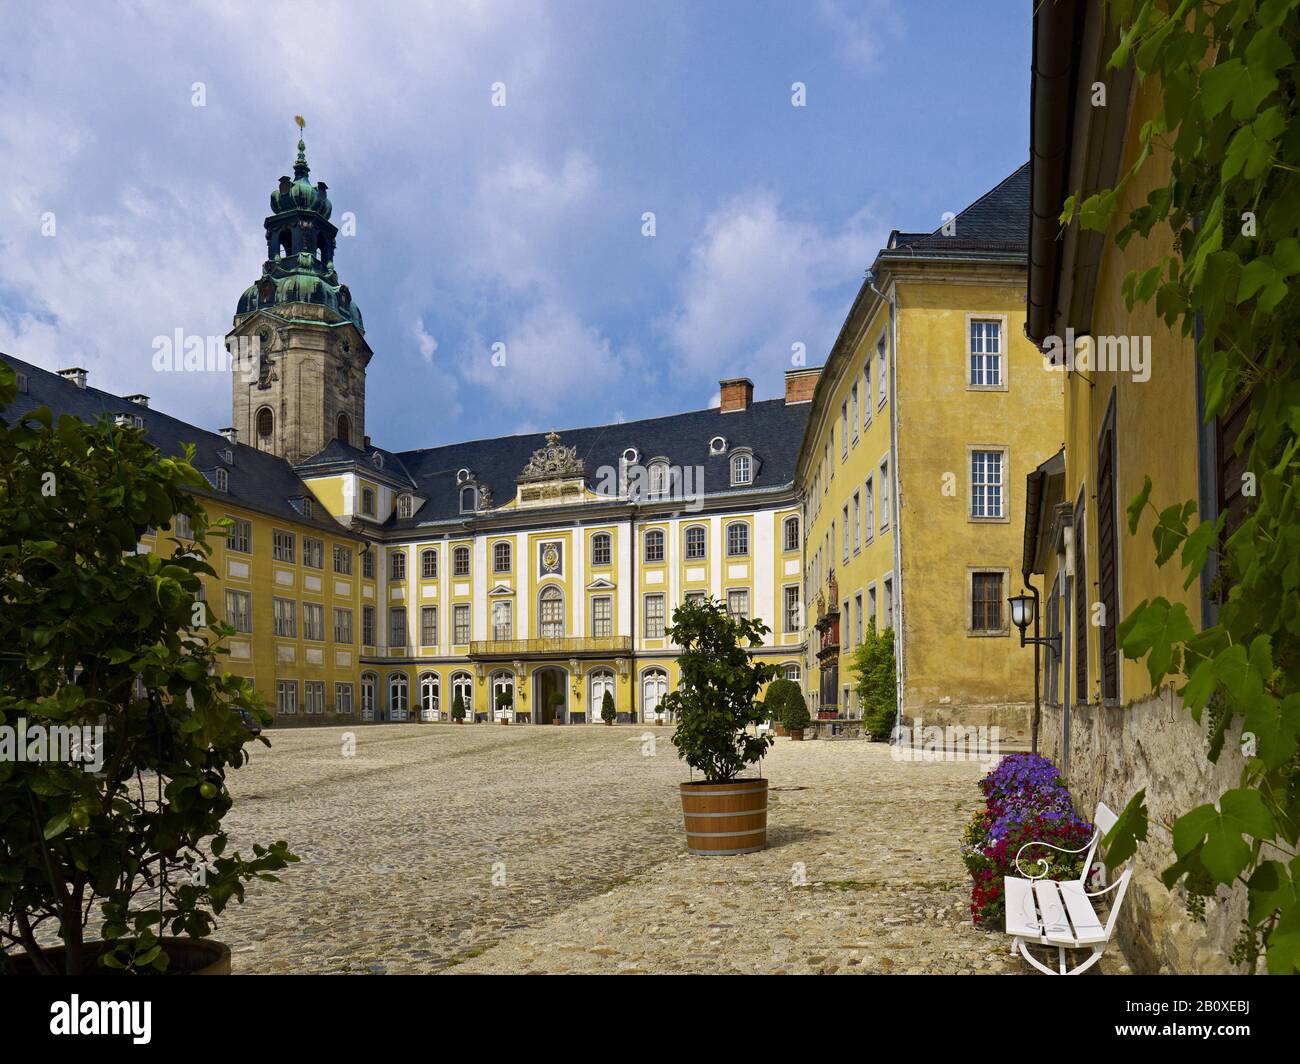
x=458 y=708
x=785 y=703
x=557 y=708
x=504 y=701
x=124 y=838
x=607 y=711
x=715 y=703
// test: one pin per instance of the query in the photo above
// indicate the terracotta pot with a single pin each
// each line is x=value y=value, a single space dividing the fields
x=725 y=818
x=780 y=728
x=189 y=956
x=796 y=734
x=556 y=720
x=609 y=724
x=659 y=722
x=505 y=720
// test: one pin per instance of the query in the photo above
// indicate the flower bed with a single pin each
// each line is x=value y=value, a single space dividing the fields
x=1025 y=800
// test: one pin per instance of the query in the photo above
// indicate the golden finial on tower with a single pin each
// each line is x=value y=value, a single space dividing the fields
x=302 y=122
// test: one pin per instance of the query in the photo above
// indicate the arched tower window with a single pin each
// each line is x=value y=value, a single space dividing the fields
x=286 y=243
x=265 y=427
x=343 y=429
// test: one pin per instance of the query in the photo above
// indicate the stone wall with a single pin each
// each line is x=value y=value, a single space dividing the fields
x=1153 y=744
x=1012 y=719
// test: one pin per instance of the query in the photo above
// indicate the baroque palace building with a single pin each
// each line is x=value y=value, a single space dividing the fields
x=529 y=575
x=930 y=411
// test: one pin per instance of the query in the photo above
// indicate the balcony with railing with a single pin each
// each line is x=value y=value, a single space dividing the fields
x=554 y=647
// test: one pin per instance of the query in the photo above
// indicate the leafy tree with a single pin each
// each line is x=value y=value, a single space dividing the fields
x=1227 y=129
x=96 y=635
x=785 y=702
x=717 y=696
x=458 y=707
x=607 y=711
x=877 y=682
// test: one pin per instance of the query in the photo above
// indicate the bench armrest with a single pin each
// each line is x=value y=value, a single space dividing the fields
x=1042 y=864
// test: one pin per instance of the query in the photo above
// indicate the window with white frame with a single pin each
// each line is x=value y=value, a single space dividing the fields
x=285 y=614
x=600 y=549
x=286 y=696
x=791 y=527
x=742 y=470
x=867 y=404
x=654 y=545
x=654 y=616
x=857 y=521
x=239 y=610
x=501 y=557
x=844 y=430
x=397 y=626
x=343 y=699
x=239 y=536
x=369 y=685
x=429 y=696
x=551 y=612
x=429 y=626
x=368 y=501
x=342 y=624
x=403 y=506
x=602 y=617
x=460 y=623
x=313 y=696
x=313 y=553
x=882 y=375
x=738 y=603
x=737 y=539
x=792 y=613
x=502 y=620
x=313 y=622
x=368 y=626
x=853 y=408
x=368 y=563
x=397 y=565
x=985 y=353
x=987 y=497
x=342 y=559
x=857 y=618
x=282 y=546
x=696 y=543
x=429 y=564
x=460 y=561
x=398 y=696
x=844 y=534
x=181 y=527
x=658 y=479
x=884 y=495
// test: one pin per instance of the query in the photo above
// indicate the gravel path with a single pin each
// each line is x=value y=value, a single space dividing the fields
x=531 y=849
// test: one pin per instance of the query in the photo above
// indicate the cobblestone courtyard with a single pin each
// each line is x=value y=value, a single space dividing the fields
x=533 y=849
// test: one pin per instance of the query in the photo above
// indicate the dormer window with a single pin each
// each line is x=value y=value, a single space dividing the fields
x=742 y=470
x=468 y=500
x=378 y=460
x=404 y=506
x=718 y=445
x=368 y=501
x=222 y=480
x=307 y=510
x=227 y=456
x=462 y=475
x=658 y=479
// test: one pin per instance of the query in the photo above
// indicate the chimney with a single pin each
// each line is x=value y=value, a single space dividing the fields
x=139 y=399
x=737 y=394
x=365 y=443
x=800 y=384
x=231 y=434
x=76 y=374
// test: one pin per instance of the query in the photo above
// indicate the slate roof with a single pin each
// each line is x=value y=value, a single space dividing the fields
x=996 y=222
x=257 y=480
x=770 y=428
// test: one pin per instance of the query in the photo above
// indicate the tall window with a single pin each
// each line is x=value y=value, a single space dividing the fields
x=986 y=354
x=501 y=557
x=313 y=553
x=857 y=618
x=742 y=470
x=654 y=616
x=462 y=684
x=844 y=430
x=1081 y=611
x=368 y=501
x=791 y=526
x=502 y=620
x=737 y=539
x=793 y=615
x=369 y=683
x=286 y=620
x=265 y=424
x=286 y=696
x=429 y=564
x=343 y=699
x=460 y=561
x=398 y=696
x=282 y=546
x=429 y=626
x=240 y=536
x=397 y=626
x=551 y=612
x=658 y=480
x=738 y=603
x=654 y=545
x=403 y=506
x=342 y=559
x=1107 y=576
x=602 y=617
x=368 y=563
x=844 y=535
x=882 y=371
x=986 y=498
x=460 y=624
x=342 y=624
x=343 y=430
x=429 y=696
x=397 y=565
x=853 y=407
x=600 y=549
x=857 y=520
x=696 y=539
x=368 y=626
x=239 y=610
x=884 y=494
x=313 y=621
x=313 y=696
x=986 y=602
x=888 y=603
x=468 y=500
x=867 y=404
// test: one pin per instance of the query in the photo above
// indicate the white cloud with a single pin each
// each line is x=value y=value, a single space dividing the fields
x=426 y=343
x=759 y=281
x=861 y=28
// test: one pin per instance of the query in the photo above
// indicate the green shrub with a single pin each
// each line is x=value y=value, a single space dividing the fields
x=785 y=703
x=458 y=707
x=875 y=669
x=607 y=710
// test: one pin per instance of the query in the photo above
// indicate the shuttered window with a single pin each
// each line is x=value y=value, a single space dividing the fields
x=986 y=602
x=1107 y=577
x=1080 y=610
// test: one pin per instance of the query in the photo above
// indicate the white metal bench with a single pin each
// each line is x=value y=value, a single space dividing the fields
x=1046 y=912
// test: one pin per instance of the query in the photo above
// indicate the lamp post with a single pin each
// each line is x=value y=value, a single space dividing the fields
x=1024 y=612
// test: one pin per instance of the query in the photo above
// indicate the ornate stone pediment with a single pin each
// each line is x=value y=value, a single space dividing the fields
x=552 y=462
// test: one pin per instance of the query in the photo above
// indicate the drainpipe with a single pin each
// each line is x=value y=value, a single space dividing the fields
x=1067 y=645
x=1033 y=732
x=894 y=504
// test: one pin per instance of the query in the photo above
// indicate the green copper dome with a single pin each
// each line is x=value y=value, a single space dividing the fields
x=300 y=242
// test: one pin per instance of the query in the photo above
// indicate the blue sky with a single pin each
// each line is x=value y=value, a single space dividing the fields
x=479 y=224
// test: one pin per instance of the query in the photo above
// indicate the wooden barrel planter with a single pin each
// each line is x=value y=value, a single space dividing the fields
x=189 y=956
x=796 y=734
x=725 y=818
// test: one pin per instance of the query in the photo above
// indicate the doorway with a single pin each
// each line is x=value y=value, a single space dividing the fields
x=550 y=694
